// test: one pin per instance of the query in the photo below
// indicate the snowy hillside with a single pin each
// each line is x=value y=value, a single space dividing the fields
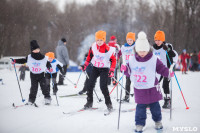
x=50 y=119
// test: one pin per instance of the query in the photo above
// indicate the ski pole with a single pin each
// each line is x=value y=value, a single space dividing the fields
x=86 y=74
x=116 y=84
x=99 y=99
x=70 y=81
x=123 y=87
x=177 y=82
x=18 y=81
x=120 y=104
x=171 y=99
x=78 y=79
x=53 y=86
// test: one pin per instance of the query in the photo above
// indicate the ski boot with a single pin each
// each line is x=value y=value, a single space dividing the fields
x=167 y=103
x=139 y=128
x=54 y=92
x=47 y=101
x=81 y=92
x=88 y=105
x=29 y=103
x=126 y=99
x=158 y=125
x=109 y=107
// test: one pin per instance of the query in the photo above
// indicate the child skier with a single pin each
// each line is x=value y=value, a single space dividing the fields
x=142 y=69
x=52 y=73
x=160 y=47
x=127 y=51
x=37 y=64
x=88 y=71
x=113 y=43
x=23 y=70
x=102 y=58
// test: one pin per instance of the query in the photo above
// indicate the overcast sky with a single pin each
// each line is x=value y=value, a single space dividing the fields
x=61 y=3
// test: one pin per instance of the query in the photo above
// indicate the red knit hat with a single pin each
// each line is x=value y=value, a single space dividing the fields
x=112 y=38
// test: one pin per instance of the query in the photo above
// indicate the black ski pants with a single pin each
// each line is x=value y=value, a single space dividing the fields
x=62 y=77
x=103 y=74
x=165 y=85
x=48 y=78
x=35 y=80
x=128 y=86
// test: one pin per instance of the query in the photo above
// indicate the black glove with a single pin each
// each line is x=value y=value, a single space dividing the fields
x=62 y=72
x=165 y=47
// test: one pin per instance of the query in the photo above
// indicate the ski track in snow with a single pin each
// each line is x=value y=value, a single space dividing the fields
x=50 y=119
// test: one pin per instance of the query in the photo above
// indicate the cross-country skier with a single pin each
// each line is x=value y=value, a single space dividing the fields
x=184 y=62
x=102 y=58
x=56 y=66
x=142 y=69
x=23 y=68
x=88 y=71
x=37 y=64
x=127 y=51
x=160 y=47
x=113 y=43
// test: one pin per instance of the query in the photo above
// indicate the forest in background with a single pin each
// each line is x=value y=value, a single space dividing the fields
x=24 y=20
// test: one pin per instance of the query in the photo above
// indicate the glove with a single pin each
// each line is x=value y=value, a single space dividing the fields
x=111 y=72
x=165 y=47
x=62 y=72
x=83 y=67
x=13 y=61
x=171 y=72
x=123 y=67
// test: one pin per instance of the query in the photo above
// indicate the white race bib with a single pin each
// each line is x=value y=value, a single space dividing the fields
x=101 y=60
x=143 y=73
x=36 y=66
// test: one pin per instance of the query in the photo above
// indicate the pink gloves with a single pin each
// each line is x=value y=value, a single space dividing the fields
x=171 y=72
x=111 y=72
x=123 y=67
x=83 y=67
x=51 y=70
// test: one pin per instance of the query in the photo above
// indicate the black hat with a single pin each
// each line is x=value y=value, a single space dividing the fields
x=34 y=45
x=63 y=40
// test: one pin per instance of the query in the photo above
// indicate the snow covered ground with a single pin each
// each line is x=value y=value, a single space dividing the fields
x=50 y=119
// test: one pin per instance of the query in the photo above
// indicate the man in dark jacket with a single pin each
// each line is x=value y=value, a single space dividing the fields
x=63 y=57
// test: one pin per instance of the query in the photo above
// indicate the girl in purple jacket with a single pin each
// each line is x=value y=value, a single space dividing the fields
x=142 y=69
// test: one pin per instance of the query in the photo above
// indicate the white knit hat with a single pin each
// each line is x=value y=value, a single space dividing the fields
x=142 y=43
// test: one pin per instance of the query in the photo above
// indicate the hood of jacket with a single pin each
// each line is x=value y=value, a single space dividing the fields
x=60 y=43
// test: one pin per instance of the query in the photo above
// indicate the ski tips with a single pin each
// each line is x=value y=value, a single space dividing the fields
x=187 y=108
